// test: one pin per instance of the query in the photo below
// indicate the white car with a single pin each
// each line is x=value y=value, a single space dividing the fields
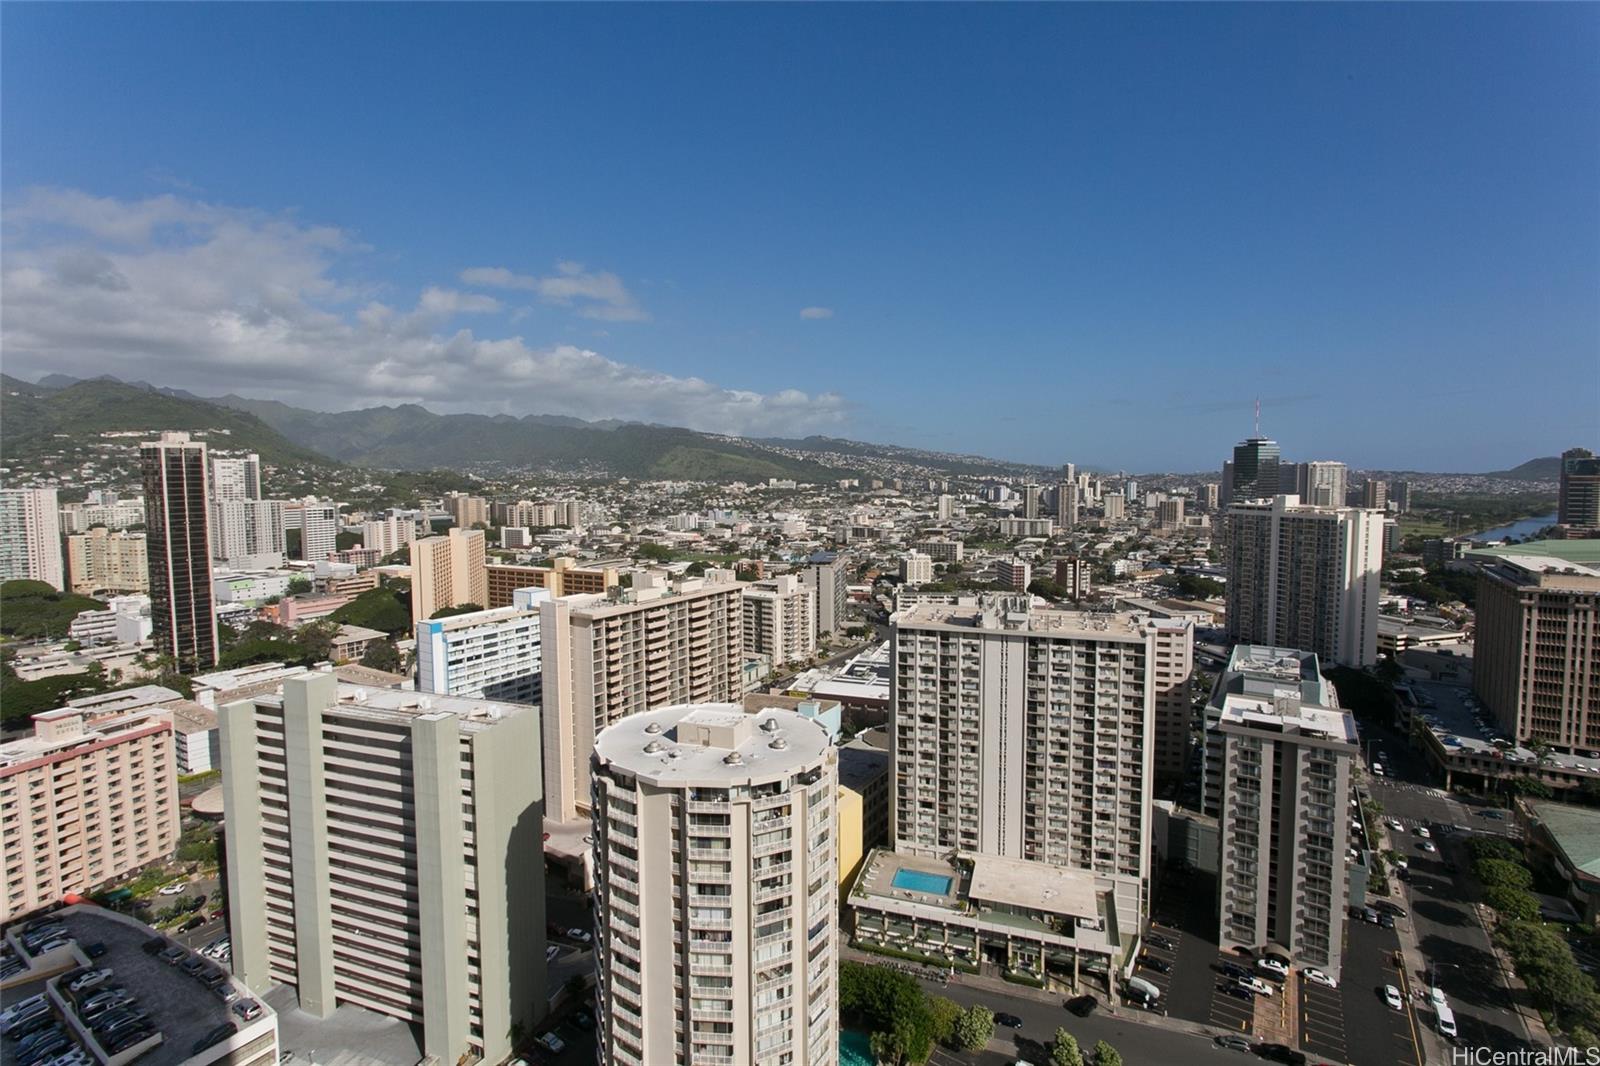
x=174 y=889
x=1391 y=996
x=1317 y=977
x=1427 y=845
x=1394 y=823
x=580 y=935
x=1422 y=831
x=1257 y=985
x=1272 y=966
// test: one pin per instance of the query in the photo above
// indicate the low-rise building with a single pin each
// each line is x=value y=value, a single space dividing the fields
x=351 y=642
x=916 y=569
x=940 y=550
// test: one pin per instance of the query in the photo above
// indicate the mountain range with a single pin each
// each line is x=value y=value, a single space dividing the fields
x=39 y=417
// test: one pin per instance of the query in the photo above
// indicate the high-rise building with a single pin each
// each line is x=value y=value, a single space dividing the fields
x=101 y=561
x=245 y=529
x=1073 y=574
x=468 y=511
x=30 y=537
x=1030 y=501
x=607 y=657
x=1027 y=734
x=1321 y=483
x=1115 y=507
x=940 y=550
x=384 y=850
x=1255 y=474
x=1305 y=577
x=716 y=898
x=1283 y=751
x=448 y=571
x=318 y=523
x=1579 y=501
x=1375 y=495
x=1171 y=671
x=389 y=534
x=1015 y=574
x=1169 y=513
x=1536 y=648
x=563 y=577
x=88 y=798
x=178 y=547
x=492 y=654
x=1401 y=497
x=946 y=508
x=1210 y=495
x=780 y=620
x=915 y=569
x=1067 y=504
x=110 y=512
x=236 y=479
x=825 y=575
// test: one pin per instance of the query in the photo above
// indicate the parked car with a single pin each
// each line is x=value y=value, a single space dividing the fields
x=1010 y=1021
x=1156 y=940
x=193 y=923
x=214 y=1036
x=1281 y=1053
x=173 y=955
x=580 y=935
x=88 y=980
x=175 y=889
x=1235 y=1042
x=1257 y=985
x=1275 y=967
x=1238 y=991
x=553 y=1043
x=1317 y=977
x=95 y=950
x=551 y=952
x=1391 y=996
x=248 y=1009
x=583 y=1019
x=1159 y=965
x=1233 y=969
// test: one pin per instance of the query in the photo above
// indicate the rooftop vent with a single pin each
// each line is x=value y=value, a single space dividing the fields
x=653 y=728
x=770 y=725
x=778 y=744
x=653 y=747
x=733 y=758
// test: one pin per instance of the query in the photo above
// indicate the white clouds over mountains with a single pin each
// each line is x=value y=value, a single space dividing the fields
x=216 y=299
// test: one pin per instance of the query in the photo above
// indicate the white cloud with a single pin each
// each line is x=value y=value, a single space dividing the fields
x=598 y=294
x=816 y=312
x=217 y=299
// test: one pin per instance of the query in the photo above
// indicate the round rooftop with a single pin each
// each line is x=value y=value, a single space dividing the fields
x=713 y=745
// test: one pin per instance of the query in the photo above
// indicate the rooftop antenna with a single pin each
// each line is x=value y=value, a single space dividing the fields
x=1258 y=416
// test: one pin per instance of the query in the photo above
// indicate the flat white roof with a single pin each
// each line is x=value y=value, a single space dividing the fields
x=779 y=742
x=1035 y=885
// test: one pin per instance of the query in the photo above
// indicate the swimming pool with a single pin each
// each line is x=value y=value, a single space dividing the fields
x=917 y=881
x=854 y=1049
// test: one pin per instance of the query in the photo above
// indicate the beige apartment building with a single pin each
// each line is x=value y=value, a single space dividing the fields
x=102 y=562
x=716 y=912
x=1302 y=576
x=916 y=569
x=384 y=851
x=607 y=657
x=90 y=797
x=1283 y=753
x=563 y=577
x=1027 y=734
x=780 y=620
x=448 y=571
x=1536 y=651
x=1172 y=670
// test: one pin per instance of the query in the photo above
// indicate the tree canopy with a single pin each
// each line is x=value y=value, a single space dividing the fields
x=892 y=1007
x=381 y=608
x=32 y=610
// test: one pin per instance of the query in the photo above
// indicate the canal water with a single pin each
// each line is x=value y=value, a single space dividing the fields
x=1525 y=528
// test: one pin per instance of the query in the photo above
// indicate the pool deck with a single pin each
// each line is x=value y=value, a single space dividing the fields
x=877 y=879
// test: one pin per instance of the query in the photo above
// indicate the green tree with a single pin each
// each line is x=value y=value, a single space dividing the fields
x=891 y=1006
x=1514 y=903
x=1106 y=1055
x=460 y=608
x=1501 y=873
x=1531 y=786
x=943 y=1014
x=299 y=584
x=974 y=1028
x=344 y=540
x=382 y=655
x=1493 y=847
x=655 y=553
x=32 y=610
x=1064 y=1051
x=382 y=608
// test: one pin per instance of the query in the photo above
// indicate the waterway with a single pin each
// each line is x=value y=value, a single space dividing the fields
x=1524 y=528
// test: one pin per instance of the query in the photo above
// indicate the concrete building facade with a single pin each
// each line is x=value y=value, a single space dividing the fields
x=716 y=889
x=384 y=850
x=492 y=654
x=1306 y=577
x=780 y=620
x=1284 y=752
x=1578 y=504
x=608 y=657
x=448 y=571
x=88 y=798
x=30 y=537
x=826 y=577
x=563 y=577
x=102 y=562
x=1536 y=649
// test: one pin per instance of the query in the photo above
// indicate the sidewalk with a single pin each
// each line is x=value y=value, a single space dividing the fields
x=1532 y=1021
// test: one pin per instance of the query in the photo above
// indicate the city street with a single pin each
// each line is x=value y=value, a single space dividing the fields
x=1441 y=896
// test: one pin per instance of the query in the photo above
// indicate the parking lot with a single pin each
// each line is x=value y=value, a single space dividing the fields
x=1186 y=916
x=1322 y=1021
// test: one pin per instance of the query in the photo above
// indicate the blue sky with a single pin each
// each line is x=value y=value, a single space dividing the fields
x=1088 y=233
